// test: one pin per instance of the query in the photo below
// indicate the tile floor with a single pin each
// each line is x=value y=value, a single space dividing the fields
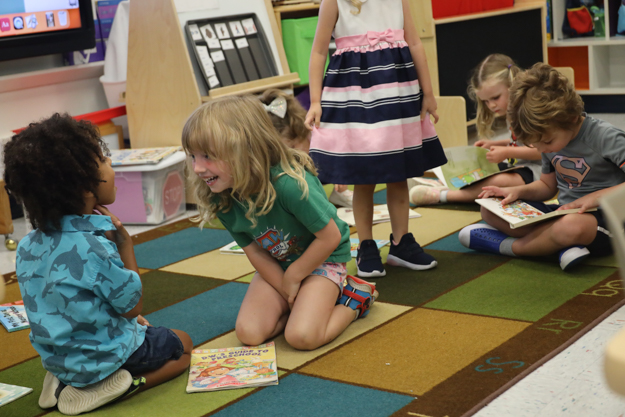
x=572 y=384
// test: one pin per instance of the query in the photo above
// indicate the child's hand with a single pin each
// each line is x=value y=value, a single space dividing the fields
x=484 y=143
x=313 y=117
x=584 y=203
x=142 y=320
x=291 y=287
x=119 y=236
x=497 y=154
x=492 y=191
x=429 y=106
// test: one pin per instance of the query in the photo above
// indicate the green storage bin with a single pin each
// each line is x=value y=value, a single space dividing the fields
x=297 y=37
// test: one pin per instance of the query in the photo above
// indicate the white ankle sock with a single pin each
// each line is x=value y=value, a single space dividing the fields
x=443 y=196
x=505 y=247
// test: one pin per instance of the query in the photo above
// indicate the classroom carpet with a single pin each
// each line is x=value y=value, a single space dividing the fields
x=436 y=343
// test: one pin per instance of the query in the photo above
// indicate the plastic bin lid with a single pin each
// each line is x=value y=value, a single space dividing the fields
x=173 y=159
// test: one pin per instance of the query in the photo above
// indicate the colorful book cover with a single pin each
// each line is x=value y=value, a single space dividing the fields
x=10 y=393
x=380 y=214
x=232 y=248
x=467 y=165
x=354 y=242
x=120 y=157
x=519 y=213
x=13 y=316
x=230 y=368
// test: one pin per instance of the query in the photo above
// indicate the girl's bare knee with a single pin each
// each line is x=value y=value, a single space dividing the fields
x=300 y=339
x=248 y=335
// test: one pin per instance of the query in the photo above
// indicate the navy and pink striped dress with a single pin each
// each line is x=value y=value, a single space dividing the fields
x=371 y=131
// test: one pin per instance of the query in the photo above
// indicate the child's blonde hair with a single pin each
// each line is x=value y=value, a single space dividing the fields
x=238 y=131
x=357 y=4
x=292 y=126
x=542 y=99
x=495 y=67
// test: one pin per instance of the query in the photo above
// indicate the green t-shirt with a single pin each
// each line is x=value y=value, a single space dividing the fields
x=289 y=228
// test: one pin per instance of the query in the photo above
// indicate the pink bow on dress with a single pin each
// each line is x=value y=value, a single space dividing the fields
x=377 y=37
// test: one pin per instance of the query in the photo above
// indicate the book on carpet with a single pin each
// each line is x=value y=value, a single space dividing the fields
x=235 y=367
x=467 y=165
x=354 y=243
x=10 y=393
x=232 y=248
x=13 y=316
x=519 y=213
x=380 y=214
x=122 y=157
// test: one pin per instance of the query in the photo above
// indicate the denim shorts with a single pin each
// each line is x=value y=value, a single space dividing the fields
x=160 y=345
x=601 y=245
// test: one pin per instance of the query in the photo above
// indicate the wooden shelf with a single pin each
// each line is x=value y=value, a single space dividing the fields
x=51 y=76
x=518 y=7
x=252 y=87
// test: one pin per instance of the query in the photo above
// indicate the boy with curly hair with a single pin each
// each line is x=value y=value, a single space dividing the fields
x=78 y=274
x=583 y=158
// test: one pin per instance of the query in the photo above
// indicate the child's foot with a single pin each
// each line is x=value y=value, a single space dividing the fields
x=118 y=385
x=482 y=237
x=51 y=390
x=569 y=257
x=341 y=199
x=423 y=195
x=358 y=295
x=368 y=260
x=429 y=182
x=409 y=254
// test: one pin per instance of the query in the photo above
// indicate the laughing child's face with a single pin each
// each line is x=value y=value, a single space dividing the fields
x=216 y=174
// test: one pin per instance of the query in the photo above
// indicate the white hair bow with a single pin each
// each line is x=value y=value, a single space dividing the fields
x=277 y=107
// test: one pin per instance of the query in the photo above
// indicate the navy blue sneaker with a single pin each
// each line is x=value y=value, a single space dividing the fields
x=569 y=257
x=482 y=237
x=368 y=260
x=409 y=254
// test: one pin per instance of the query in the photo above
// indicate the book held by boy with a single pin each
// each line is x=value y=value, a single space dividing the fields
x=121 y=157
x=519 y=213
x=380 y=214
x=13 y=316
x=467 y=165
x=230 y=368
x=10 y=393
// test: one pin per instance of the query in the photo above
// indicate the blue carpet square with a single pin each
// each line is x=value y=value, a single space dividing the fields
x=219 y=308
x=178 y=246
x=379 y=197
x=304 y=396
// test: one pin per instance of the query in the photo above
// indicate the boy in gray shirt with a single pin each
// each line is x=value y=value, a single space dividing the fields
x=582 y=158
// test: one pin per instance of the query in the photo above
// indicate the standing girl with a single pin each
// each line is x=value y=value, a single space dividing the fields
x=270 y=200
x=370 y=123
x=488 y=87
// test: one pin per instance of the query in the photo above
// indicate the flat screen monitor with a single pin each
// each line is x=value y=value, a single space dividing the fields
x=43 y=27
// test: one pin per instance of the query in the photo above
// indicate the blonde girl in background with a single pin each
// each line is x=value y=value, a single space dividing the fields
x=269 y=198
x=288 y=117
x=488 y=87
x=370 y=119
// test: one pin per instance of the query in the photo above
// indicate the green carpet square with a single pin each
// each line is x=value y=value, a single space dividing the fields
x=520 y=290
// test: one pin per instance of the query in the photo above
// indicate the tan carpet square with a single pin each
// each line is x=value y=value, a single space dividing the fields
x=438 y=344
x=214 y=265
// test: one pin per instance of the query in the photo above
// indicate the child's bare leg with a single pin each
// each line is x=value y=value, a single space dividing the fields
x=316 y=319
x=470 y=193
x=363 y=210
x=398 y=206
x=263 y=314
x=172 y=368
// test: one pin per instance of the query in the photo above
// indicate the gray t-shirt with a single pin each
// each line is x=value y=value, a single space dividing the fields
x=592 y=161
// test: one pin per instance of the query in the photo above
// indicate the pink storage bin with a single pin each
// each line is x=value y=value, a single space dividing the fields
x=150 y=194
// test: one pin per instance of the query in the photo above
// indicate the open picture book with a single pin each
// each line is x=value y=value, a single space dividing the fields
x=519 y=213
x=141 y=156
x=9 y=393
x=380 y=214
x=235 y=367
x=466 y=165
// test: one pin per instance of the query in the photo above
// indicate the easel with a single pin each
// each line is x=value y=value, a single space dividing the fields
x=161 y=89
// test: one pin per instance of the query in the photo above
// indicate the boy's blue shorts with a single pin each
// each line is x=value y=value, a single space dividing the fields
x=160 y=345
x=601 y=245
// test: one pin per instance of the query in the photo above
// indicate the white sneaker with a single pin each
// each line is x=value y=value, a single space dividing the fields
x=423 y=195
x=74 y=401
x=342 y=199
x=569 y=257
x=50 y=392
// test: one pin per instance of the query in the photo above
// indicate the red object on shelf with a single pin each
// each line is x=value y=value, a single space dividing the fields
x=96 y=117
x=449 y=8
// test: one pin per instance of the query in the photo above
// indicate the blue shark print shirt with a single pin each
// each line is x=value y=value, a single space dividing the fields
x=75 y=288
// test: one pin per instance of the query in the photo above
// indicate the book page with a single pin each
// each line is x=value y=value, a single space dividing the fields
x=465 y=165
